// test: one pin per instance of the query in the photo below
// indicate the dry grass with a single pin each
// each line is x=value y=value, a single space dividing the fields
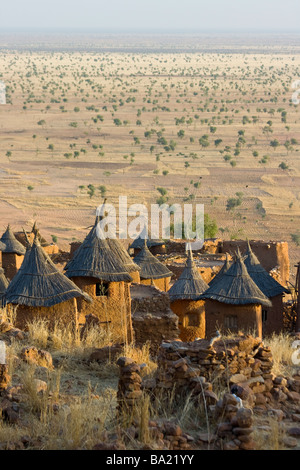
x=281 y=347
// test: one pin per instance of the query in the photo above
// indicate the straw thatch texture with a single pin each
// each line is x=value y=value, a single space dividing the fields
x=11 y=244
x=151 y=267
x=38 y=283
x=190 y=284
x=236 y=287
x=266 y=283
x=139 y=242
x=222 y=271
x=94 y=258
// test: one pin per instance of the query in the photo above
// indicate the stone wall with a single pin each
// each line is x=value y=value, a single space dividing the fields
x=241 y=359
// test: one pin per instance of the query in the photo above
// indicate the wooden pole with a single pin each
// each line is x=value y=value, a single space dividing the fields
x=298 y=297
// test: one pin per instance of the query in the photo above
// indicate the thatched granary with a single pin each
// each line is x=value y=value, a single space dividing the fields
x=234 y=302
x=40 y=291
x=272 y=317
x=97 y=270
x=152 y=271
x=184 y=297
x=156 y=247
x=12 y=253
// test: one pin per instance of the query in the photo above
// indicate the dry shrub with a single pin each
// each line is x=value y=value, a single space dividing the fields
x=141 y=356
x=281 y=348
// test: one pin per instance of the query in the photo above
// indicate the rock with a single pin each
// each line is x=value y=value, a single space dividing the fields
x=172 y=429
x=229 y=399
x=294 y=432
x=231 y=445
x=237 y=378
x=244 y=417
x=296 y=418
x=117 y=445
x=278 y=414
x=211 y=397
x=124 y=361
x=260 y=399
x=289 y=442
x=40 y=385
x=248 y=445
x=39 y=357
x=293 y=396
x=280 y=381
x=4 y=377
x=106 y=353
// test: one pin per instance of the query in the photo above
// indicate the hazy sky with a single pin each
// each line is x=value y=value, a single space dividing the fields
x=150 y=15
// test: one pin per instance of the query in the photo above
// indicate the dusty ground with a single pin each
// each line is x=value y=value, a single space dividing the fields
x=60 y=103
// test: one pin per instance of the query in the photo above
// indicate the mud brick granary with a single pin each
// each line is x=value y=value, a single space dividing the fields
x=234 y=302
x=272 y=317
x=12 y=253
x=184 y=297
x=152 y=271
x=40 y=291
x=156 y=247
x=97 y=269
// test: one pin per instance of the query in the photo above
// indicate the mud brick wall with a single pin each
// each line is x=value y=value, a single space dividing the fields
x=152 y=317
x=269 y=253
x=11 y=263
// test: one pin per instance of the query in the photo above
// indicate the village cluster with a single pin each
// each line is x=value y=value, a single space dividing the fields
x=235 y=286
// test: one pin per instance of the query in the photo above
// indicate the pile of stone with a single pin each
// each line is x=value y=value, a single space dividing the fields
x=235 y=427
x=242 y=362
x=129 y=386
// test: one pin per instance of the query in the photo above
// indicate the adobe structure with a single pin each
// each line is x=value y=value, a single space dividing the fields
x=156 y=247
x=40 y=291
x=272 y=317
x=152 y=271
x=271 y=254
x=234 y=302
x=22 y=237
x=152 y=318
x=12 y=253
x=99 y=271
x=208 y=265
x=184 y=298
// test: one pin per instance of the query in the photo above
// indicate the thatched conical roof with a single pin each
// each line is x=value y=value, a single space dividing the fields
x=11 y=244
x=266 y=283
x=222 y=271
x=139 y=242
x=190 y=283
x=38 y=283
x=120 y=252
x=151 y=267
x=3 y=282
x=236 y=287
x=94 y=258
